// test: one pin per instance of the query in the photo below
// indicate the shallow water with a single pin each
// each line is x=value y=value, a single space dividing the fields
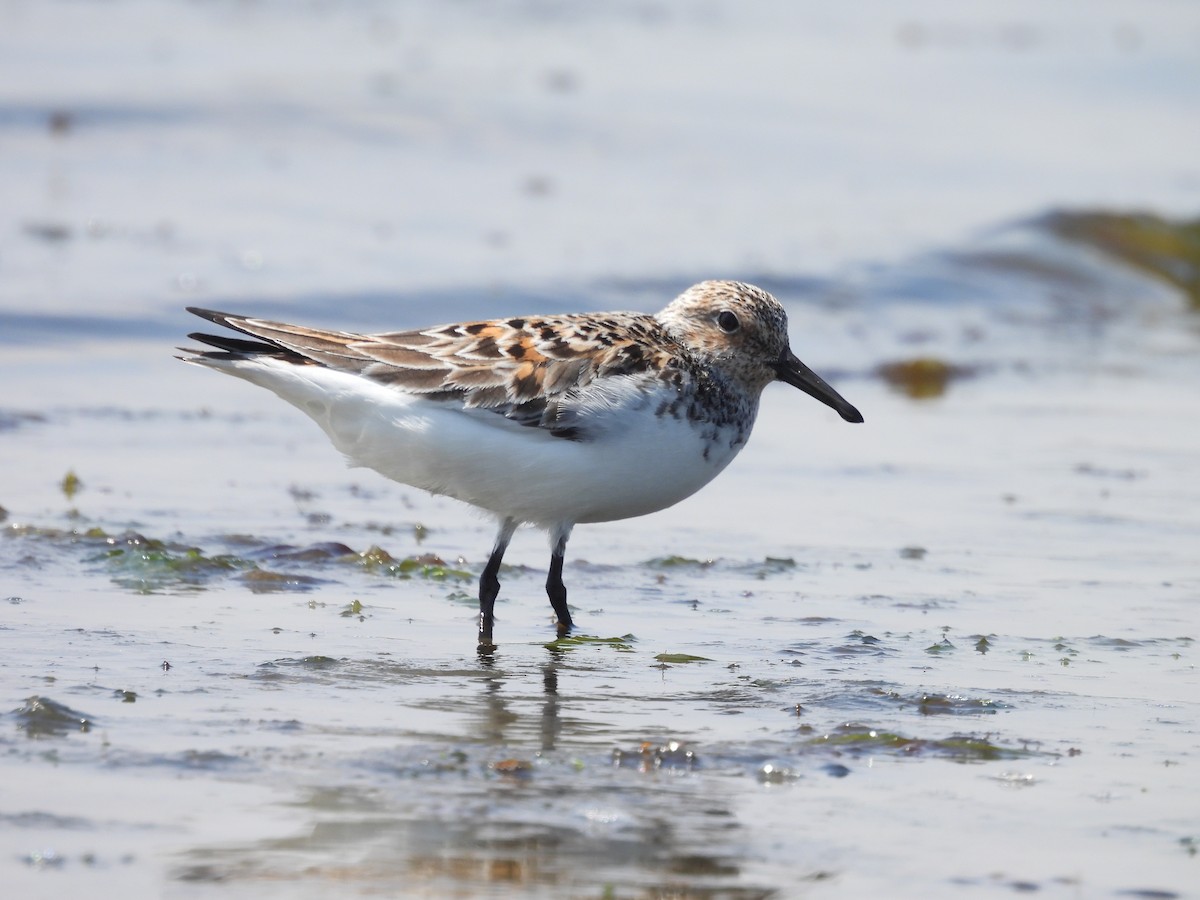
x=948 y=652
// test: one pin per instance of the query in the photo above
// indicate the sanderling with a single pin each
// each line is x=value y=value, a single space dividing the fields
x=542 y=420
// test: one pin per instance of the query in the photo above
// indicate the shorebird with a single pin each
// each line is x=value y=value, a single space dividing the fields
x=549 y=421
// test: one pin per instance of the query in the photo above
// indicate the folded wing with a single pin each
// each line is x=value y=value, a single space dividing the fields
x=529 y=370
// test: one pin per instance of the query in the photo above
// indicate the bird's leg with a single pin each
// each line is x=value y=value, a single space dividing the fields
x=555 y=588
x=489 y=584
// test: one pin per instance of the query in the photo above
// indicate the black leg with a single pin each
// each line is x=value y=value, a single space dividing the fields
x=555 y=588
x=489 y=585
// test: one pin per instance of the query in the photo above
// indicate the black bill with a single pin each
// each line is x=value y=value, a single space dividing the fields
x=797 y=374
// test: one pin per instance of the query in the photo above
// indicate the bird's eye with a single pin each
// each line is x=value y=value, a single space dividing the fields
x=728 y=322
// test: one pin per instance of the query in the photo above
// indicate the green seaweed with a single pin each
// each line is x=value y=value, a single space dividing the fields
x=922 y=377
x=1167 y=249
x=572 y=641
x=71 y=536
x=146 y=565
x=378 y=561
x=134 y=561
x=70 y=485
x=680 y=658
x=956 y=748
x=677 y=562
x=770 y=565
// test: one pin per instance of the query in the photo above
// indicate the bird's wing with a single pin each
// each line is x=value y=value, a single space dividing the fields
x=531 y=370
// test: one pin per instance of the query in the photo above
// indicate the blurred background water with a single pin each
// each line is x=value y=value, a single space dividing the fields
x=157 y=153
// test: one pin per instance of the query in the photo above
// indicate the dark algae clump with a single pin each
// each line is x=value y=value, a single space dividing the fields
x=41 y=717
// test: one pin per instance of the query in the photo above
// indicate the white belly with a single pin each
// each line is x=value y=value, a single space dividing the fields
x=636 y=463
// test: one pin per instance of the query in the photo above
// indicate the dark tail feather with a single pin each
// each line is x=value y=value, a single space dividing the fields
x=227 y=320
x=234 y=345
x=232 y=348
x=290 y=343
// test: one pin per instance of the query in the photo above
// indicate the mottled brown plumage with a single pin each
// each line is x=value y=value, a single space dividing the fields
x=522 y=368
x=548 y=420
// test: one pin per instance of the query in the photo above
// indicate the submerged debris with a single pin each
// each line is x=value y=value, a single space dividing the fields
x=513 y=768
x=774 y=772
x=651 y=756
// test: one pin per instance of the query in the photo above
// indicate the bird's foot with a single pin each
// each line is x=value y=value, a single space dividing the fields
x=487 y=622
